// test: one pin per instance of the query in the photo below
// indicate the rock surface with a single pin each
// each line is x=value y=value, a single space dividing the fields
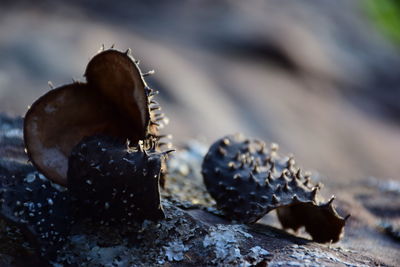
x=193 y=233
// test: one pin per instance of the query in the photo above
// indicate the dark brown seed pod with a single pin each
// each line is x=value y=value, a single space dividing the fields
x=247 y=181
x=111 y=183
x=114 y=101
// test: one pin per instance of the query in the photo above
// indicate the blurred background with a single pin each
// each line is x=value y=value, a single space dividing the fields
x=321 y=78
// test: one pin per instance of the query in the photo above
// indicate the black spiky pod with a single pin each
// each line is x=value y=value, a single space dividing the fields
x=36 y=207
x=111 y=183
x=248 y=180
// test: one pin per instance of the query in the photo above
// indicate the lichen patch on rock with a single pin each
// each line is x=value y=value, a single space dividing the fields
x=175 y=250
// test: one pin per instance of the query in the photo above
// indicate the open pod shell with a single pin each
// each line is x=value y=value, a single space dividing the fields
x=114 y=101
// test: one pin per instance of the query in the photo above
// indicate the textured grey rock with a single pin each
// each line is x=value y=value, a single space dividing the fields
x=190 y=235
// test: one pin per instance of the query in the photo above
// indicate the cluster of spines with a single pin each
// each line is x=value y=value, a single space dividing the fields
x=248 y=180
x=158 y=120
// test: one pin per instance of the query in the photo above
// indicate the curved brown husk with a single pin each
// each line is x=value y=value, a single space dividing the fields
x=115 y=101
x=116 y=76
x=248 y=180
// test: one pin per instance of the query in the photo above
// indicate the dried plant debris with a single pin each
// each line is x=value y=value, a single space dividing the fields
x=34 y=207
x=113 y=183
x=248 y=180
x=114 y=101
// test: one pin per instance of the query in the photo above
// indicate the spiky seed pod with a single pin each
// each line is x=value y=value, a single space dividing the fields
x=114 y=101
x=111 y=183
x=246 y=193
x=38 y=208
